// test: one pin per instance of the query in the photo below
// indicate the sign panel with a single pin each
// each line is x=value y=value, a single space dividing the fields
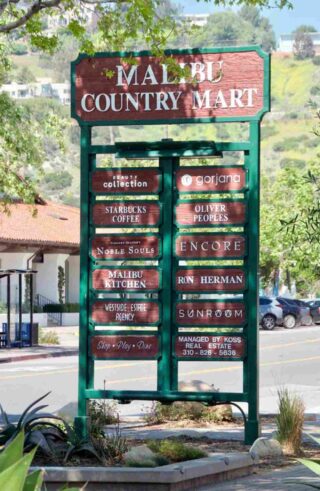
x=210 y=347
x=125 y=247
x=126 y=213
x=207 y=179
x=131 y=347
x=210 y=313
x=125 y=313
x=126 y=181
x=210 y=246
x=204 y=213
x=220 y=84
x=210 y=279
x=126 y=279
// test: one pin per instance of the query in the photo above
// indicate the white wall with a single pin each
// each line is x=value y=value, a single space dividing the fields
x=73 y=279
x=12 y=260
x=47 y=276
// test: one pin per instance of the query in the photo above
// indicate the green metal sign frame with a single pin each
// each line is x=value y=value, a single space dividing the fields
x=169 y=153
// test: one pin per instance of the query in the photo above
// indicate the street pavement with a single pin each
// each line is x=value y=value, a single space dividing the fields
x=288 y=358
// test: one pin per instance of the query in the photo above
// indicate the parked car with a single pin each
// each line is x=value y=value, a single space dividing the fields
x=306 y=318
x=314 y=306
x=270 y=313
x=293 y=313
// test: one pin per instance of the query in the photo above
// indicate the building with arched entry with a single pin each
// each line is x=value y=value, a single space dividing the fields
x=43 y=237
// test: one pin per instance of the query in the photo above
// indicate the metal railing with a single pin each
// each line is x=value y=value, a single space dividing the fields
x=40 y=301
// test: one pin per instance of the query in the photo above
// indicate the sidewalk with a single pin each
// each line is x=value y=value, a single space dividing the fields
x=266 y=481
x=68 y=338
x=36 y=352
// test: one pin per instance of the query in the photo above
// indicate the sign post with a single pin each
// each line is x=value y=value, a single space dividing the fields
x=149 y=234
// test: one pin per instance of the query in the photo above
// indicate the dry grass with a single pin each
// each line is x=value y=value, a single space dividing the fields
x=290 y=421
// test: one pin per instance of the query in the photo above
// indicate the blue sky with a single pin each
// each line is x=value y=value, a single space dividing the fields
x=283 y=21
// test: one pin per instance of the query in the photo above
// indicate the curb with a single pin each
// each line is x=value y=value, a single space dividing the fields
x=38 y=356
x=183 y=476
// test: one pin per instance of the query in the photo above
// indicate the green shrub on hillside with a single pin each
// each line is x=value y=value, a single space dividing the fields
x=19 y=49
x=316 y=60
x=291 y=143
x=315 y=90
x=267 y=131
x=292 y=163
x=58 y=180
x=292 y=115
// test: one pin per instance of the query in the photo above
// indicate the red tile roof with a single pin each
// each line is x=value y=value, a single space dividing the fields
x=53 y=225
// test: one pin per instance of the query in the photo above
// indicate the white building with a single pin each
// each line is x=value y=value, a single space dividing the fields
x=286 y=42
x=59 y=91
x=42 y=242
x=199 y=20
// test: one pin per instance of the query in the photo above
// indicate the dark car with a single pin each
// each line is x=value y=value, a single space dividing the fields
x=306 y=318
x=314 y=306
x=292 y=315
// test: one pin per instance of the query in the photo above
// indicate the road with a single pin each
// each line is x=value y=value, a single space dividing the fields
x=287 y=357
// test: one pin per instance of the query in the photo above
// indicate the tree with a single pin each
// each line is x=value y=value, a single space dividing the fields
x=303 y=46
x=25 y=76
x=290 y=226
x=305 y=28
x=117 y=25
x=235 y=28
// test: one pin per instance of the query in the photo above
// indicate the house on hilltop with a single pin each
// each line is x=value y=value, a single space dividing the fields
x=286 y=42
x=42 y=241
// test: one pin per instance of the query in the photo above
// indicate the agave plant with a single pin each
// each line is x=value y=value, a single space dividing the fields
x=77 y=444
x=44 y=431
x=40 y=430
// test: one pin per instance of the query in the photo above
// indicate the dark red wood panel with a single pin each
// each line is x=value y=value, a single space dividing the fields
x=125 y=313
x=206 y=246
x=210 y=279
x=207 y=347
x=125 y=346
x=125 y=247
x=126 y=213
x=211 y=213
x=210 y=313
x=208 y=179
x=228 y=84
x=131 y=279
x=126 y=181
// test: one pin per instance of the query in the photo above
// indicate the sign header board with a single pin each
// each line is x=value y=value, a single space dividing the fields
x=224 y=84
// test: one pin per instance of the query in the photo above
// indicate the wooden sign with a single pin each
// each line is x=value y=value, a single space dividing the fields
x=125 y=313
x=226 y=83
x=208 y=179
x=210 y=313
x=126 y=279
x=210 y=280
x=204 y=213
x=126 y=213
x=125 y=247
x=131 y=347
x=209 y=347
x=126 y=181
x=210 y=246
